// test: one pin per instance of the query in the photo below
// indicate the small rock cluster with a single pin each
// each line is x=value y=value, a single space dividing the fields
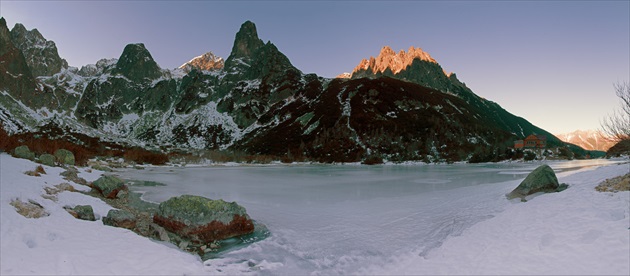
x=617 y=184
x=62 y=157
x=193 y=223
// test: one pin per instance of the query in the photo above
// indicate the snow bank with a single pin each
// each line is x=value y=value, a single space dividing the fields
x=575 y=232
x=61 y=244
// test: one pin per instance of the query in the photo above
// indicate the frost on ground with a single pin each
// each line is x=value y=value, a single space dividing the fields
x=577 y=231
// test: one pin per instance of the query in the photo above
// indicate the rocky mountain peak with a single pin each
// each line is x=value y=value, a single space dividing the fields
x=5 y=37
x=136 y=63
x=587 y=139
x=396 y=62
x=41 y=55
x=245 y=44
x=205 y=62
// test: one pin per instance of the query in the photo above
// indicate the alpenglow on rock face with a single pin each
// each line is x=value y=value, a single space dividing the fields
x=388 y=59
x=542 y=179
x=41 y=55
x=203 y=220
x=205 y=62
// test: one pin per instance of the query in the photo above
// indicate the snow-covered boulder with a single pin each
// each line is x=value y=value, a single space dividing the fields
x=542 y=179
x=203 y=220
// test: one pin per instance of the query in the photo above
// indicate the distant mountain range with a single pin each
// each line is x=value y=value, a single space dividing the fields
x=587 y=139
x=399 y=106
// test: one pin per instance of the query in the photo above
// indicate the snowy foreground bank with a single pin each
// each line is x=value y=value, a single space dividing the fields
x=577 y=231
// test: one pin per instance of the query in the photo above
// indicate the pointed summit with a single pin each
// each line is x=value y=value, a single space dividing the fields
x=136 y=63
x=246 y=41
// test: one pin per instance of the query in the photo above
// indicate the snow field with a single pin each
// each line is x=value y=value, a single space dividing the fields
x=338 y=227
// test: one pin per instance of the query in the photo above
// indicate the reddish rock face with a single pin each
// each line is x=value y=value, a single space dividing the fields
x=388 y=59
x=215 y=230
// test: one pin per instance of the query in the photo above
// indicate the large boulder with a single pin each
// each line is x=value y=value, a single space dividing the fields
x=64 y=157
x=109 y=186
x=120 y=218
x=47 y=159
x=24 y=152
x=203 y=220
x=542 y=179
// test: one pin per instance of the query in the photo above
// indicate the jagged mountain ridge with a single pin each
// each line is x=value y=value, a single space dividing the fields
x=43 y=57
x=419 y=67
x=587 y=139
x=261 y=104
x=205 y=62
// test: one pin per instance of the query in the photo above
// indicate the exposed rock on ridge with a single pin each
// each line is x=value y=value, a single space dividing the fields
x=388 y=59
x=41 y=55
x=205 y=62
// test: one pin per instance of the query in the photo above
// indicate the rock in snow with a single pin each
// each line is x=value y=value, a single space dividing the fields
x=109 y=186
x=203 y=220
x=542 y=179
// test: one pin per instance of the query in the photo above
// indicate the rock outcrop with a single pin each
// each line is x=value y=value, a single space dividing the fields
x=203 y=220
x=41 y=55
x=542 y=179
x=205 y=62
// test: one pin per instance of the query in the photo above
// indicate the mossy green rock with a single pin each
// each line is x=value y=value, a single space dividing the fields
x=109 y=186
x=197 y=210
x=542 y=179
x=23 y=152
x=47 y=159
x=203 y=220
x=64 y=157
x=84 y=212
x=120 y=218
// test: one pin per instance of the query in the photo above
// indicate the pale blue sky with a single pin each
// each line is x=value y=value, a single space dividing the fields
x=551 y=62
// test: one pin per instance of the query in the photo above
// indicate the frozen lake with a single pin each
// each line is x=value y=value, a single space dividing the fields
x=337 y=219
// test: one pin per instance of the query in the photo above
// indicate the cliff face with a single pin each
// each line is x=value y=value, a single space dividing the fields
x=41 y=55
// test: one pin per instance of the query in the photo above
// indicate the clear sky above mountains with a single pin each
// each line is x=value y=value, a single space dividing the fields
x=551 y=62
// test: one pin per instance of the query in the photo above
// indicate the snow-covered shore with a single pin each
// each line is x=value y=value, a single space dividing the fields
x=577 y=231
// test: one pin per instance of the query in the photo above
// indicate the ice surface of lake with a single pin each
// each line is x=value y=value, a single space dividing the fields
x=337 y=219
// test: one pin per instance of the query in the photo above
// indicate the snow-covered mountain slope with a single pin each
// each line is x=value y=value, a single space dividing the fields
x=587 y=139
x=260 y=103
